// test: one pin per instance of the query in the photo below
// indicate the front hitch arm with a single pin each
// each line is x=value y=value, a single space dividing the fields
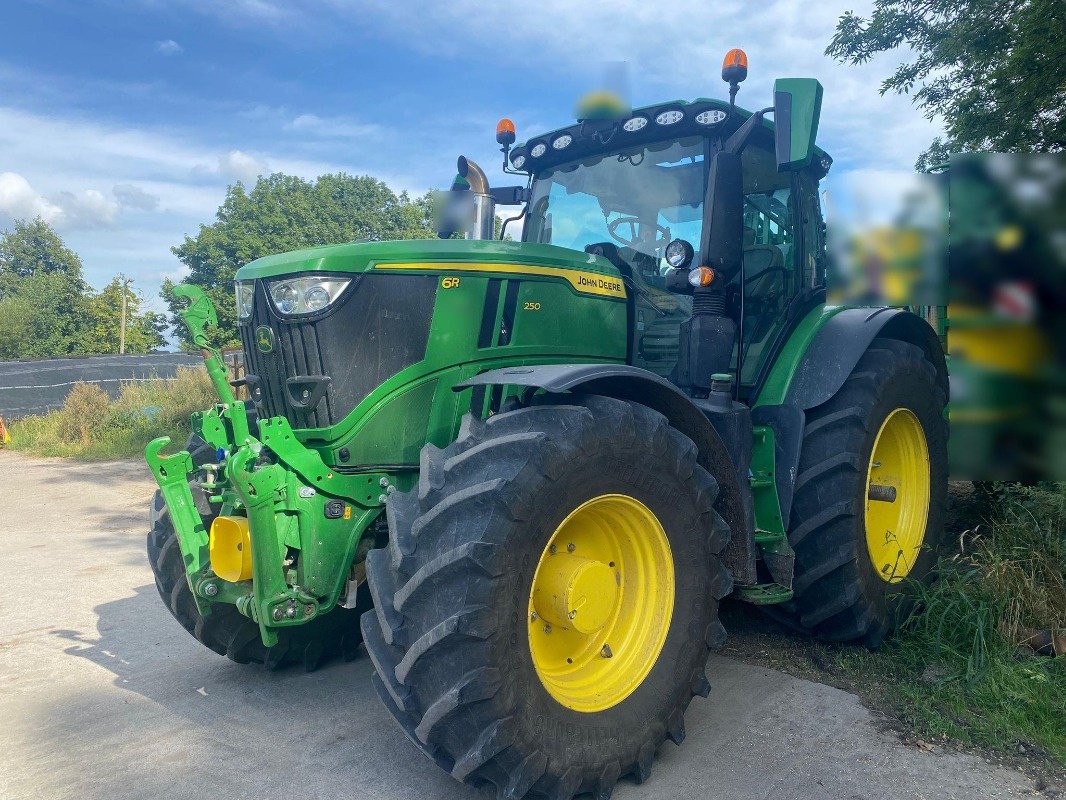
x=262 y=490
x=172 y=475
x=197 y=316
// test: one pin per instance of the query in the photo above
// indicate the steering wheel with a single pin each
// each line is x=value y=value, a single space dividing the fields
x=662 y=237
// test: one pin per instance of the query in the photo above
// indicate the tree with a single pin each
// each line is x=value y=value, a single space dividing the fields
x=43 y=318
x=285 y=212
x=42 y=293
x=32 y=249
x=995 y=70
x=103 y=320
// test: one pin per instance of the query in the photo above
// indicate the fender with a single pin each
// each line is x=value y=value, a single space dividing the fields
x=642 y=386
x=840 y=343
x=829 y=358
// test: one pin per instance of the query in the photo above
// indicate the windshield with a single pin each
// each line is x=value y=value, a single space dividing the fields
x=639 y=199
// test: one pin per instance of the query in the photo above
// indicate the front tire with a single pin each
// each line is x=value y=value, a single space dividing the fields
x=457 y=635
x=226 y=631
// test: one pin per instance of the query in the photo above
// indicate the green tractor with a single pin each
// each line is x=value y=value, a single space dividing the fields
x=534 y=468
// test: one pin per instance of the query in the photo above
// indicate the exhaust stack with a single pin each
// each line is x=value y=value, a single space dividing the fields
x=483 y=222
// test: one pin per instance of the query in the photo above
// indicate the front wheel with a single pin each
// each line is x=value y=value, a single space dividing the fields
x=549 y=597
x=226 y=630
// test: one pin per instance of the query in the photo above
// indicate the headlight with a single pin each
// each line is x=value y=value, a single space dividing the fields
x=305 y=295
x=245 y=293
x=711 y=117
x=678 y=253
x=671 y=117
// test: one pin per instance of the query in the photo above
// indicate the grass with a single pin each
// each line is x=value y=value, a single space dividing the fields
x=958 y=662
x=93 y=427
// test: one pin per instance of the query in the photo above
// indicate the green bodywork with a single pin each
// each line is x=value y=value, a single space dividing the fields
x=564 y=307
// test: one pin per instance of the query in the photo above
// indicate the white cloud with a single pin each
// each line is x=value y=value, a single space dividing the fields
x=19 y=200
x=130 y=196
x=241 y=166
x=87 y=208
x=168 y=47
x=66 y=210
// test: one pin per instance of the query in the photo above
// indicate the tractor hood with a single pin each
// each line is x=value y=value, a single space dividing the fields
x=360 y=257
x=399 y=311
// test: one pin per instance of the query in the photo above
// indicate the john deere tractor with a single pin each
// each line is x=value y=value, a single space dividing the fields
x=536 y=467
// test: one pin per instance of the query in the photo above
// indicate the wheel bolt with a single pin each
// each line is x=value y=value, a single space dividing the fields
x=210 y=590
x=572 y=614
x=547 y=628
x=552 y=549
x=533 y=617
x=570 y=548
x=606 y=652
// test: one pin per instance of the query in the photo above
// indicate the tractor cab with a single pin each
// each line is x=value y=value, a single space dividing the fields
x=704 y=208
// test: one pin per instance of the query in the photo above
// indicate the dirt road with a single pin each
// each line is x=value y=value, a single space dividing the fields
x=103 y=695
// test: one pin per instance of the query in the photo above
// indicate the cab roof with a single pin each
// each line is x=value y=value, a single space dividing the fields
x=676 y=119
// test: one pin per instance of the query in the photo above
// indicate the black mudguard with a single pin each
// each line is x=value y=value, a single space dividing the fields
x=627 y=382
x=828 y=362
x=839 y=345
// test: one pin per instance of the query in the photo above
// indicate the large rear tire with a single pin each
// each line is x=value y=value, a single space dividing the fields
x=226 y=630
x=871 y=495
x=490 y=659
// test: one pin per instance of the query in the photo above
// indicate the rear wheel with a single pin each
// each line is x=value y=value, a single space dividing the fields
x=226 y=630
x=871 y=495
x=545 y=608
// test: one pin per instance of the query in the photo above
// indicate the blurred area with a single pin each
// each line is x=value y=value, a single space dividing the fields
x=608 y=96
x=979 y=249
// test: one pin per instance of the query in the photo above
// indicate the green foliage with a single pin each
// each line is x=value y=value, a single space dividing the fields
x=282 y=213
x=33 y=249
x=958 y=666
x=42 y=316
x=93 y=427
x=48 y=310
x=41 y=292
x=993 y=69
x=103 y=321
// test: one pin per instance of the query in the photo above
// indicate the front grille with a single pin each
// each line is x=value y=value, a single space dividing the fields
x=378 y=328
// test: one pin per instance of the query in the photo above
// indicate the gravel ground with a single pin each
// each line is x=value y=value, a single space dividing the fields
x=103 y=695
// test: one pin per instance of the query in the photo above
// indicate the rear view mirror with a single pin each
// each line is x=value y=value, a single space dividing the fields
x=797 y=106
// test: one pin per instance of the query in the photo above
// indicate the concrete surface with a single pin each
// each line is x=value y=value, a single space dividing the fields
x=103 y=695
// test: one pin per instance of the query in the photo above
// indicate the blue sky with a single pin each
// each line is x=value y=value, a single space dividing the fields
x=122 y=123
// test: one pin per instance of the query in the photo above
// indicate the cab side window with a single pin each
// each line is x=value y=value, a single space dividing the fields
x=771 y=273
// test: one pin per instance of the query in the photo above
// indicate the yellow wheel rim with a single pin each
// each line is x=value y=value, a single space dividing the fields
x=601 y=602
x=897 y=495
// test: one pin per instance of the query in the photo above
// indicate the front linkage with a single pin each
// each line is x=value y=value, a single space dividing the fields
x=286 y=539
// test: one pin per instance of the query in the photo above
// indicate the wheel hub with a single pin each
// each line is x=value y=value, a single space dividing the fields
x=575 y=592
